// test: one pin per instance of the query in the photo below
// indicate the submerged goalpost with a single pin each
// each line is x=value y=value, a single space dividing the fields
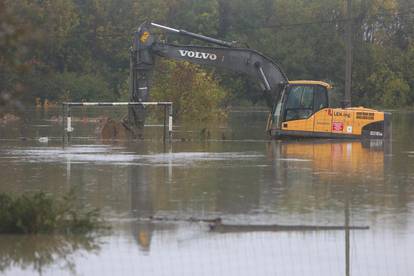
x=67 y=116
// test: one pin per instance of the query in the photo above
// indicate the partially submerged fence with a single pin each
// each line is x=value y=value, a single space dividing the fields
x=67 y=115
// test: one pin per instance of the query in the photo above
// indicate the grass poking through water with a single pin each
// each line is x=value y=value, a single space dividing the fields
x=42 y=213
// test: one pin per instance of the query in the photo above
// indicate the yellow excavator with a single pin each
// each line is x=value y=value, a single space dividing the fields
x=303 y=111
x=298 y=108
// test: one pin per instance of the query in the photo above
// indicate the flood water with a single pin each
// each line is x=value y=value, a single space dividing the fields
x=236 y=174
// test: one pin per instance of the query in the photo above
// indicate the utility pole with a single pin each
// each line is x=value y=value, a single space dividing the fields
x=348 y=62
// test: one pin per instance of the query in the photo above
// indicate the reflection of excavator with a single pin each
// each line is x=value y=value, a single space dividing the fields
x=298 y=108
x=338 y=157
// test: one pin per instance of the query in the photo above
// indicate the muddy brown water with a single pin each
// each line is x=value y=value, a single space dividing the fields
x=236 y=174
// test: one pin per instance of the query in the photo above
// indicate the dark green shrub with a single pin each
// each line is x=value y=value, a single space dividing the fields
x=41 y=213
x=196 y=94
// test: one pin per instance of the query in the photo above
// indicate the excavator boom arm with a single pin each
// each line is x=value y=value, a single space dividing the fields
x=240 y=60
x=146 y=48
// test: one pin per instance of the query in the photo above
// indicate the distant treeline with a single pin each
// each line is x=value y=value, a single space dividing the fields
x=78 y=49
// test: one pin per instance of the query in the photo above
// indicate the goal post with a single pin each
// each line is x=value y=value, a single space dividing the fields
x=67 y=115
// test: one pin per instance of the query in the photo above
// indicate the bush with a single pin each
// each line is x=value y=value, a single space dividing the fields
x=41 y=213
x=195 y=93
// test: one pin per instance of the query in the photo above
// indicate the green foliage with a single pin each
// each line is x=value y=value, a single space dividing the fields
x=40 y=213
x=82 y=87
x=42 y=251
x=394 y=90
x=11 y=35
x=68 y=86
x=78 y=49
x=195 y=93
x=382 y=77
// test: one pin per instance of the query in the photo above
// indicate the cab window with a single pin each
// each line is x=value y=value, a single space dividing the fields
x=320 y=98
x=304 y=100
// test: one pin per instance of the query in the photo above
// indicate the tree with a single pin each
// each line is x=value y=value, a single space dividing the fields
x=195 y=93
x=81 y=40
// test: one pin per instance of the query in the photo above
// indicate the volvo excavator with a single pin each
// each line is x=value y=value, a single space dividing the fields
x=298 y=108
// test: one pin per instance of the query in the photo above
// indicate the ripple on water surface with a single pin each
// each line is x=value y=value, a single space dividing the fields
x=118 y=155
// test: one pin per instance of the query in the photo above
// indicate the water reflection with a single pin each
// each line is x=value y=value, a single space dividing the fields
x=141 y=205
x=295 y=176
x=244 y=179
x=300 y=172
x=42 y=252
x=290 y=163
x=332 y=158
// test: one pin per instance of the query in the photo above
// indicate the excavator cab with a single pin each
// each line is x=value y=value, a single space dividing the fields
x=299 y=101
x=304 y=99
x=303 y=111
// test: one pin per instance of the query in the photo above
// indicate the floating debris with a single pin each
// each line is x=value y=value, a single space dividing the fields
x=43 y=139
x=216 y=220
x=230 y=228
